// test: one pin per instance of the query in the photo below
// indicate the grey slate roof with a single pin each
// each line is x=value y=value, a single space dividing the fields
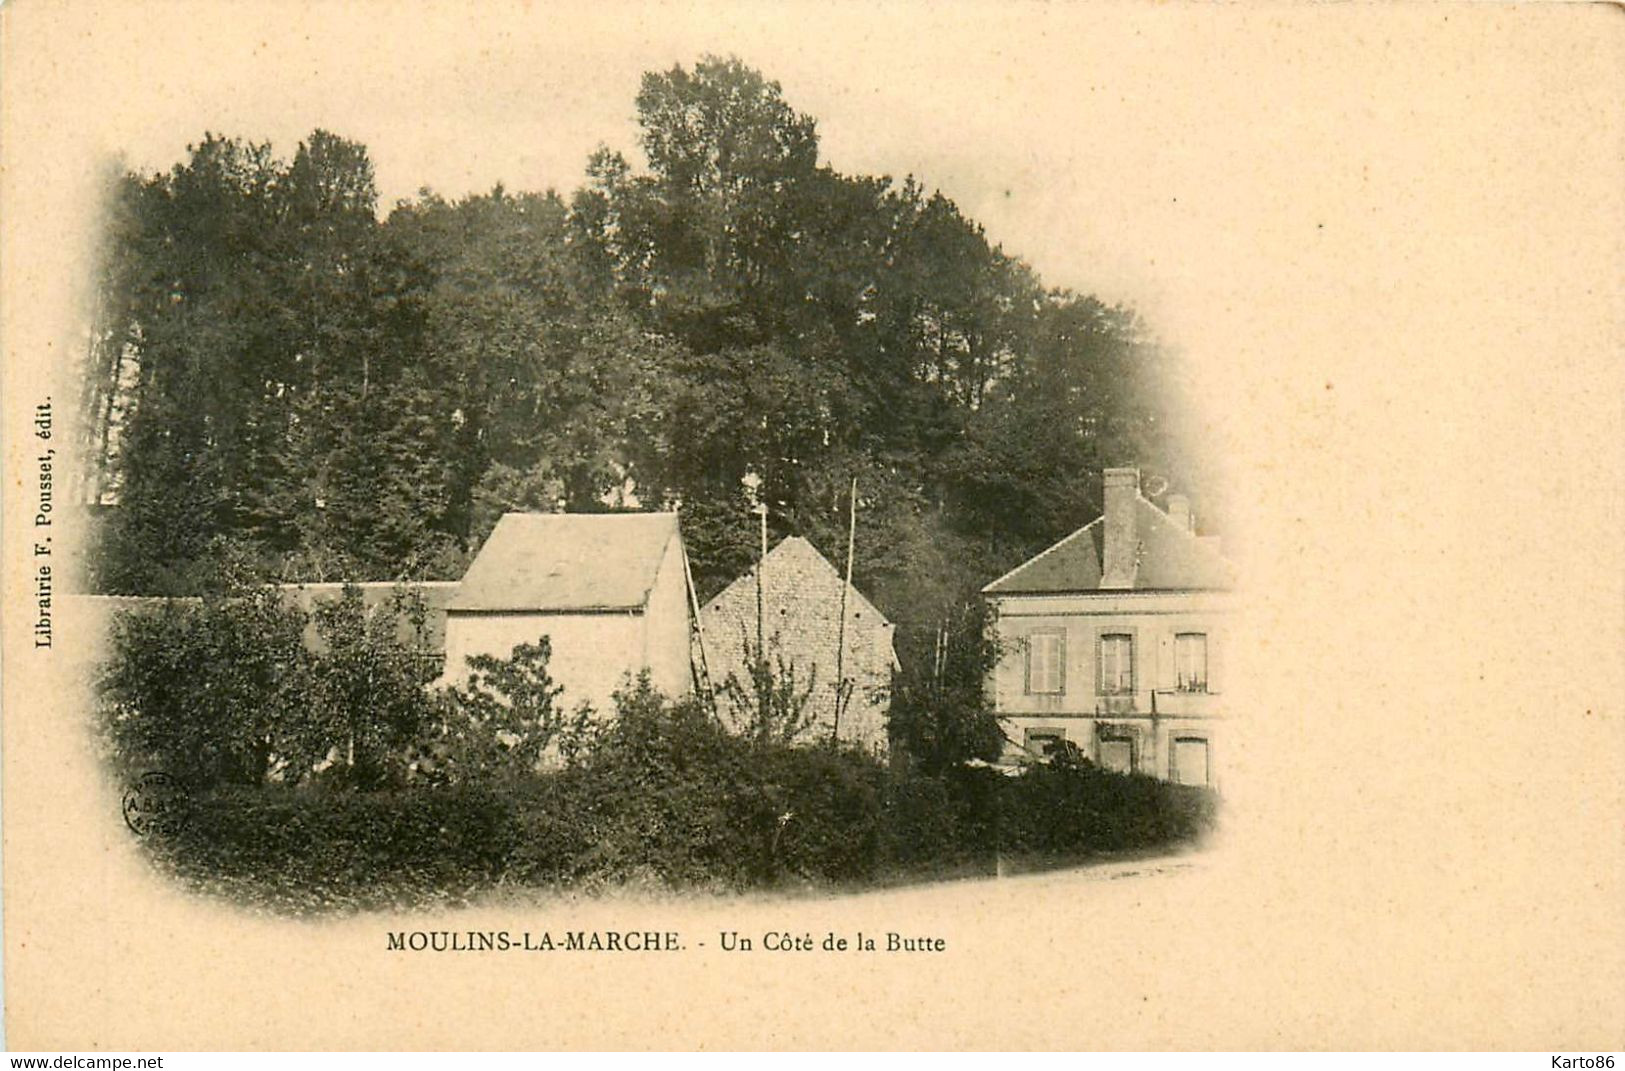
x=567 y=561
x=1171 y=559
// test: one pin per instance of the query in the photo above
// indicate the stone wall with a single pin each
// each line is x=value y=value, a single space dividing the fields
x=801 y=621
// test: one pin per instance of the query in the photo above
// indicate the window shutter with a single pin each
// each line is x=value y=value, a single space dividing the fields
x=1215 y=663
x=1100 y=660
x=1060 y=663
x=1046 y=663
x=1136 y=662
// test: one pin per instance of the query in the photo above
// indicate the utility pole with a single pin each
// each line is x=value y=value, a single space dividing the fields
x=840 y=634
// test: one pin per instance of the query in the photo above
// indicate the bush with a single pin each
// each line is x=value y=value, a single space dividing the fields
x=769 y=704
x=497 y=726
x=941 y=712
x=665 y=791
x=201 y=689
x=921 y=825
x=657 y=790
x=1080 y=808
x=225 y=690
x=820 y=812
x=362 y=690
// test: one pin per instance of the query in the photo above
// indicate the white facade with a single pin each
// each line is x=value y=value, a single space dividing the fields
x=619 y=616
x=591 y=652
x=1153 y=718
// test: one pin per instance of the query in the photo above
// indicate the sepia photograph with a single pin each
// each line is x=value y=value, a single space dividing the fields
x=1019 y=523
x=725 y=522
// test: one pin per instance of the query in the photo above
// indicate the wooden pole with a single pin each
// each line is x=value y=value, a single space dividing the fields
x=840 y=635
x=699 y=630
x=759 y=672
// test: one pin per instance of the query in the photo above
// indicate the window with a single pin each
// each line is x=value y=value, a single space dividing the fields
x=1191 y=761
x=1117 y=753
x=1190 y=661
x=1046 y=663
x=1116 y=664
x=1044 y=743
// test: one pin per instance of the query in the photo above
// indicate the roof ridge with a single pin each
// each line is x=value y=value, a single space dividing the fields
x=676 y=536
x=583 y=513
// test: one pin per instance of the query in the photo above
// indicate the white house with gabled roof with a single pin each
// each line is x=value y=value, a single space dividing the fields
x=609 y=590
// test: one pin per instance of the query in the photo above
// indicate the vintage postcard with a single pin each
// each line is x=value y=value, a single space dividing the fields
x=900 y=526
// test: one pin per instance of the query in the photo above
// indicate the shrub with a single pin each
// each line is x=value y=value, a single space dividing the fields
x=919 y=822
x=817 y=812
x=1068 y=809
x=941 y=713
x=498 y=725
x=666 y=791
x=224 y=690
x=659 y=789
x=202 y=689
x=363 y=691
x=770 y=705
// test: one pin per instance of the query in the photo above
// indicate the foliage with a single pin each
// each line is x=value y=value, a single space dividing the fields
x=363 y=689
x=772 y=705
x=941 y=712
x=1062 y=807
x=653 y=796
x=661 y=793
x=227 y=690
x=202 y=690
x=499 y=723
x=306 y=849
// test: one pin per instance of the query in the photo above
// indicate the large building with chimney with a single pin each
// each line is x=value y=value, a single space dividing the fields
x=1112 y=642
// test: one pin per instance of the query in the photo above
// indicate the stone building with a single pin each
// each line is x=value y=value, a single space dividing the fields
x=1113 y=641
x=609 y=590
x=801 y=604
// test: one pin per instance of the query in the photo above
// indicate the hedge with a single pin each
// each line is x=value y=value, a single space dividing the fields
x=673 y=800
x=297 y=848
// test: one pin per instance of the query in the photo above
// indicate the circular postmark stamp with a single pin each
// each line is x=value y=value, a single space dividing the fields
x=154 y=803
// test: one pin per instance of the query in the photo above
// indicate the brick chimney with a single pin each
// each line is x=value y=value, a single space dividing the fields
x=1121 y=549
x=1179 y=511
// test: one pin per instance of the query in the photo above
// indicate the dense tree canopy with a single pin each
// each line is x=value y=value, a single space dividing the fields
x=280 y=380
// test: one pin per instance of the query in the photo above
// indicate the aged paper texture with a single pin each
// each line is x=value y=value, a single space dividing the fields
x=1388 y=241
